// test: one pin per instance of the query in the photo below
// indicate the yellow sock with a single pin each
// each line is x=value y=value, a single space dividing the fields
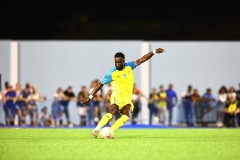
x=104 y=120
x=120 y=122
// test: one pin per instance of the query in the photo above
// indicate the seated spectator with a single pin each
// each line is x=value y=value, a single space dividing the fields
x=231 y=109
x=46 y=118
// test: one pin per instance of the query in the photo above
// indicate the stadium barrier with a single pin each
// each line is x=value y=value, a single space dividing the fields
x=200 y=113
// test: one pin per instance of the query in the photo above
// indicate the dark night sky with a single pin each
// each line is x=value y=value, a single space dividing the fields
x=147 y=20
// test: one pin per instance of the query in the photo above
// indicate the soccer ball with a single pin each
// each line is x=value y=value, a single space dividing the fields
x=106 y=133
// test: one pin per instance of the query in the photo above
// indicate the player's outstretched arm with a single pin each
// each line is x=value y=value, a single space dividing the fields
x=148 y=56
x=95 y=90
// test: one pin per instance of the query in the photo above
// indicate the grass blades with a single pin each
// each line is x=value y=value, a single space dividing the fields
x=136 y=144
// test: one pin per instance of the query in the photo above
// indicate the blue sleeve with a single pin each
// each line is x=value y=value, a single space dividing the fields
x=107 y=78
x=131 y=64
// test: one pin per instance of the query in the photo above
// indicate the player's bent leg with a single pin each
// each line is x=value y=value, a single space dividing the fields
x=123 y=119
x=104 y=120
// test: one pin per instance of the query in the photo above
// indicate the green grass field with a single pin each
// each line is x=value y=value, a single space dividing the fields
x=129 y=144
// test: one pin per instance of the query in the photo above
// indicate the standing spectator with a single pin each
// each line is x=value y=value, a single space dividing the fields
x=231 y=109
x=69 y=95
x=18 y=89
x=136 y=99
x=172 y=101
x=56 y=109
x=221 y=103
x=207 y=104
x=82 y=108
x=152 y=105
x=196 y=102
x=162 y=104
x=33 y=99
x=10 y=110
x=187 y=106
x=23 y=103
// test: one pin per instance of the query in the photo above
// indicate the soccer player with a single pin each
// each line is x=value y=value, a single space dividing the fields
x=121 y=78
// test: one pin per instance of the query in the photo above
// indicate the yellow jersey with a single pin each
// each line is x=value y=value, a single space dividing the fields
x=162 y=103
x=122 y=82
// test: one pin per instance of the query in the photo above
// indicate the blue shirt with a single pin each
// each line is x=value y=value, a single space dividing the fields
x=171 y=94
x=10 y=103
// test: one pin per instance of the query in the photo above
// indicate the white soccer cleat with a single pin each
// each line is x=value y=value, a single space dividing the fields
x=95 y=133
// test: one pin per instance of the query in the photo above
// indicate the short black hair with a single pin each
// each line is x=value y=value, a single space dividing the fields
x=119 y=54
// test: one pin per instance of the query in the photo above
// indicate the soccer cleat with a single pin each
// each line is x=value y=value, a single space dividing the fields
x=95 y=133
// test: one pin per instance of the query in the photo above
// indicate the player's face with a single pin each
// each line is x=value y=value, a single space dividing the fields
x=119 y=63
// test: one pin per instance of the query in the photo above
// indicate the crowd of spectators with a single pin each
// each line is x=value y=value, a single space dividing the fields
x=17 y=102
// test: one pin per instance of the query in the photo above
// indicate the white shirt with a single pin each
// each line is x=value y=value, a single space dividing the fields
x=186 y=94
x=222 y=97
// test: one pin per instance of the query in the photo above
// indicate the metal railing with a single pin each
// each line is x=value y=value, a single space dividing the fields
x=197 y=113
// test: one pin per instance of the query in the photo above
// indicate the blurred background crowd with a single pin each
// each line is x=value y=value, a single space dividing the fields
x=18 y=102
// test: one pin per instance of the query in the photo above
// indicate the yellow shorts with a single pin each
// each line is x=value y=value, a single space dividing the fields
x=121 y=101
